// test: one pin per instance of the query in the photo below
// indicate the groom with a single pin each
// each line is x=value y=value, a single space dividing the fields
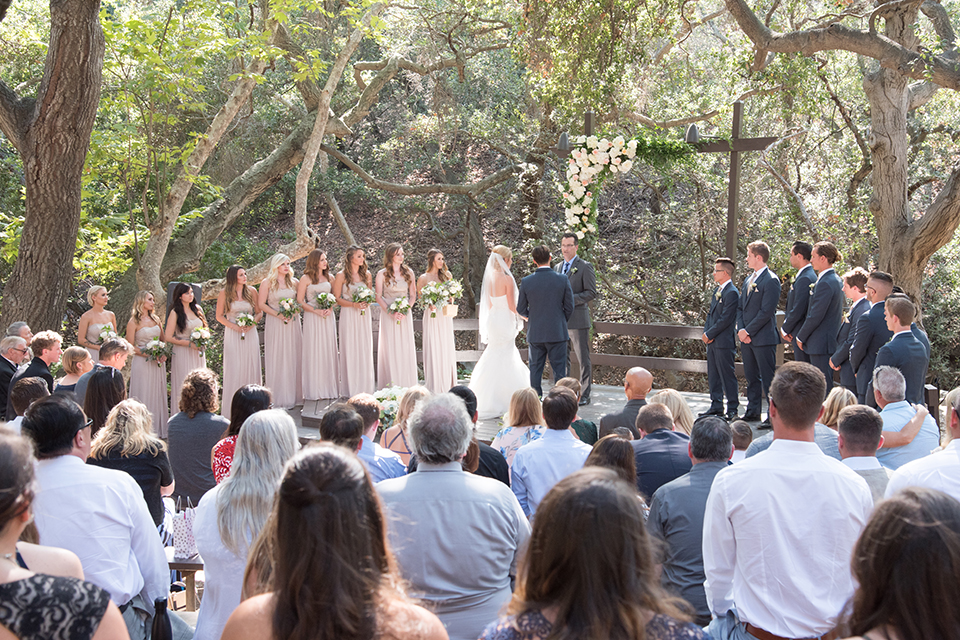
x=546 y=302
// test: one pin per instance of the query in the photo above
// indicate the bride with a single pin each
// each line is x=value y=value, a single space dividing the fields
x=500 y=370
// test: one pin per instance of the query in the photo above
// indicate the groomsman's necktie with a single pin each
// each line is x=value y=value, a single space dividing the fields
x=566 y=267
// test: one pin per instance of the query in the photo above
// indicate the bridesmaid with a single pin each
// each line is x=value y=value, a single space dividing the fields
x=282 y=338
x=439 y=350
x=356 y=328
x=94 y=320
x=321 y=376
x=397 y=352
x=241 y=345
x=148 y=378
x=185 y=316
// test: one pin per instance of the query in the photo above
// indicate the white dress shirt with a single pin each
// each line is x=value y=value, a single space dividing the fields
x=539 y=465
x=778 y=532
x=101 y=516
x=940 y=470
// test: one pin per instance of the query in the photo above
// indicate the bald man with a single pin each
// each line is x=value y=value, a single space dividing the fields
x=636 y=385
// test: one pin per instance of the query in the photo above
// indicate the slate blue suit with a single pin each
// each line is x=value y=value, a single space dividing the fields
x=757 y=315
x=907 y=353
x=871 y=334
x=721 y=327
x=841 y=357
x=818 y=334
x=546 y=300
x=798 y=300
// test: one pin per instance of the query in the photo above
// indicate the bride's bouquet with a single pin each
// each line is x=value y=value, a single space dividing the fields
x=400 y=305
x=363 y=295
x=245 y=320
x=432 y=295
x=325 y=301
x=107 y=333
x=157 y=351
x=200 y=337
x=289 y=308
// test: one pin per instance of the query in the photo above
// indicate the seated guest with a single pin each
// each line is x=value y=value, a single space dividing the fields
x=491 y=464
x=614 y=452
x=523 y=424
x=823 y=436
x=193 y=432
x=662 y=455
x=679 y=409
x=593 y=573
x=636 y=385
x=623 y=432
x=742 y=437
x=334 y=576
x=13 y=349
x=456 y=535
x=105 y=389
x=380 y=461
x=543 y=463
x=37 y=605
x=908 y=568
x=99 y=514
x=113 y=353
x=586 y=430
x=24 y=393
x=126 y=443
x=231 y=515
x=676 y=514
x=940 y=470
x=21 y=329
x=247 y=400
x=860 y=435
x=395 y=438
x=46 y=351
x=343 y=426
x=76 y=361
x=889 y=389
x=837 y=399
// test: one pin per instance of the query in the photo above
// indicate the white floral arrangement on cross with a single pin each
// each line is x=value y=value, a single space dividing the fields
x=590 y=164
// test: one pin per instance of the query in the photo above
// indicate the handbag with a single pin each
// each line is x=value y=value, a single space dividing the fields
x=184 y=544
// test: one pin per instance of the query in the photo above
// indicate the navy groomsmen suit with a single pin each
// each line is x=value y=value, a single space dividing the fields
x=798 y=300
x=841 y=357
x=907 y=353
x=871 y=334
x=818 y=334
x=546 y=300
x=720 y=327
x=756 y=314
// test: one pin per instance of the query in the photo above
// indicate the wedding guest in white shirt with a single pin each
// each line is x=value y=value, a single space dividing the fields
x=539 y=465
x=860 y=435
x=455 y=535
x=24 y=393
x=97 y=513
x=782 y=525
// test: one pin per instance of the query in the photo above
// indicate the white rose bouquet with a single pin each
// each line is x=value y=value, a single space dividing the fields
x=200 y=337
x=107 y=333
x=245 y=320
x=363 y=295
x=157 y=351
x=289 y=308
x=454 y=289
x=400 y=305
x=325 y=301
x=432 y=295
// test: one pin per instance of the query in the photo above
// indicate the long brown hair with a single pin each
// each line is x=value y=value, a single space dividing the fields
x=333 y=573
x=178 y=292
x=312 y=268
x=907 y=562
x=589 y=558
x=443 y=274
x=362 y=274
x=16 y=475
x=388 y=255
x=613 y=452
x=230 y=289
x=525 y=409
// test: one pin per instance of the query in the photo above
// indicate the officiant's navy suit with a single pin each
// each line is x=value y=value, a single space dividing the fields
x=546 y=300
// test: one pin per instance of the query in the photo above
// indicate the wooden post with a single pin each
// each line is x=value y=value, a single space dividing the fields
x=733 y=195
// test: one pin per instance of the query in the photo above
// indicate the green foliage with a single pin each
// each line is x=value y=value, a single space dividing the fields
x=239 y=248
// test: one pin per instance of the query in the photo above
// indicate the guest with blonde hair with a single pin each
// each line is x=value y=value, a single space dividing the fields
x=95 y=320
x=679 y=409
x=76 y=361
x=524 y=423
x=395 y=438
x=837 y=399
x=282 y=336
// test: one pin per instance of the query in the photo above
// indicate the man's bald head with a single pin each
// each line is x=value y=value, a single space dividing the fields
x=637 y=383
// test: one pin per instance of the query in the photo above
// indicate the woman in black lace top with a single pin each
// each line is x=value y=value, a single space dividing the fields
x=33 y=605
x=588 y=571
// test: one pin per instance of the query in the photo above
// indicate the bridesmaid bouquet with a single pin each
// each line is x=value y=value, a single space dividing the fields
x=432 y=295
x=289 y=308
x=389 y=399
x=245 y=320
x=157 y=351
x=400 y=305
x=363 y=294
x=200 y=337
x=325 y=301
x=106 y=333
x=454 y=290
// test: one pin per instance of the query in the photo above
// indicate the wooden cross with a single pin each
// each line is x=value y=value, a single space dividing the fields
x=734 y=147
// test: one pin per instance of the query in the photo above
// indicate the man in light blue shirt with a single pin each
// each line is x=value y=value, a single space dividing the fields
x=890 y=389
x=540 y=464
x=380 y=461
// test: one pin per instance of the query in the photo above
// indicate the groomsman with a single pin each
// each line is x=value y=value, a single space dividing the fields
x=904 y=351
x=757 y=324
x=871 y=334
x=583 y=281
x=718 y=335
x=854 y=288
x=817 y=337
x=798 y=299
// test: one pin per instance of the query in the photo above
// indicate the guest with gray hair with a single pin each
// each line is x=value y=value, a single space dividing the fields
x=889 y=390
x=676 y=514
x=440 y=510
x=22 y=329
x=13 y=349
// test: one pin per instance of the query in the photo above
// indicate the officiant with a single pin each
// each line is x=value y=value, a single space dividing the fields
x=583 y=281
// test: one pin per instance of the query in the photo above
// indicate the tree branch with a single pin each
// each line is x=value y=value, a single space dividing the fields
x=940 y=221
x=636 y=302
x=14 y=116
x=785 y=184
x=682 y=122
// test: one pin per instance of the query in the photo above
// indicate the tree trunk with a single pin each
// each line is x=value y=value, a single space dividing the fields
x=53 y=146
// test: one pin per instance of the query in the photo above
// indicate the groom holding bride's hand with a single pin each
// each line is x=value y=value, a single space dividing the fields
x=546 y=302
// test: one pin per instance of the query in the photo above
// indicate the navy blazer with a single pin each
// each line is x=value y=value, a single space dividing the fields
x=546 y=300
x=845 y=334
x=824 y=316
x=907 y=354
x=871 y=334
x=757 y=311
x=661 y=457
x=721 y=321
x=798 y=300
x=7 y=371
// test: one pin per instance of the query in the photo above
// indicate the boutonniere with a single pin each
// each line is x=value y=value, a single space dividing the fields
x=753 y=286
x=846 y=317
x=573 y=271
x=717 y=295
x=811 y=290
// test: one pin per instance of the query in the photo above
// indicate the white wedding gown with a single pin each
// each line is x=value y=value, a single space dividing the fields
x=500 y=370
